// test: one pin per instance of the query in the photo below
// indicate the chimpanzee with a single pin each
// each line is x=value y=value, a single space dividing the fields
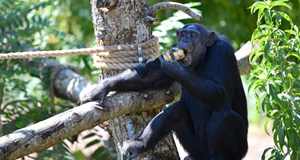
x=210 y=119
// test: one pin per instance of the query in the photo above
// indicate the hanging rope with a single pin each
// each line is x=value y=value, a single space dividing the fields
x=106 y=57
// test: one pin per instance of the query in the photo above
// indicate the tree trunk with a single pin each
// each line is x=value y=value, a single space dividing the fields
x=125 y=24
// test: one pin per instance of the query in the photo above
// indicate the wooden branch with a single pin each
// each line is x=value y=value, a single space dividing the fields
x=242 y=56
x=173 y=5
x=17 y=101
x=67 y=84
x=46 y=133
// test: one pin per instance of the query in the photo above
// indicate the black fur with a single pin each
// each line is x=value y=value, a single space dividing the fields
x=210 y=119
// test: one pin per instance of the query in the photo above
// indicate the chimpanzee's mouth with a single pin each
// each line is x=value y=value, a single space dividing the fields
x=185 y=50
x=185 y=60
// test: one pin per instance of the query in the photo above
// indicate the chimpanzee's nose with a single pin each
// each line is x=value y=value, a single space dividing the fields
x=185 y=39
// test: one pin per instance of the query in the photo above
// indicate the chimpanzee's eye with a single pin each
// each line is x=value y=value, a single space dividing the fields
x=193 y=35
x=183 y=34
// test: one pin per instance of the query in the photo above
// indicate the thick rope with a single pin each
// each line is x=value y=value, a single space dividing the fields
x=107 y=57
x=130 y=61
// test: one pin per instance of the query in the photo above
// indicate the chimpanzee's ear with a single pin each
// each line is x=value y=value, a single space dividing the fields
x=178 y=32
x=210 y=38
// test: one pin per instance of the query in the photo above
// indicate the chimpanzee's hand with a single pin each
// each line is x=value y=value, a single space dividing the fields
x=171 y=68
x=133 y=147
x=97 y=94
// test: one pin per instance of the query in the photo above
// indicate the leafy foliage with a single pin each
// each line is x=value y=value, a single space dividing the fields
x=24 y=99
x=276 y=79
x=18 y=26
x=103 y=152
x=166 y=30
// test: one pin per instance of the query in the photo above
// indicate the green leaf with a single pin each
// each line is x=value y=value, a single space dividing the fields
x=10 y=2
x=89 y=135
x=277 y=3
x=278 y=17
x=27 y=22
x=103 y=156
x=294 y=54
x=34 y=19
x=296 y=29
x=40 y=20
x=254 y=84
x=5 y=5
x=98 y=151
x=252 y=54
x=266 y=126
x=79 y=155
x=258 y=5
x=275 y=135
x=258 y=55
x=267 y=48
x=15 y=24
x=278 y=155
x=296 y=72
x=268 y=19
x=259 y=18
x=287 y=17
x=96 y=141
x=281 y=136
x=286 y=154
x=292 y=100
x=45 y=22
x=273 y=113
x=264 y=153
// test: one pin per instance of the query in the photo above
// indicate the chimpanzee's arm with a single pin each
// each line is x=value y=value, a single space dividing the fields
x=140 y=78
x=215 y=82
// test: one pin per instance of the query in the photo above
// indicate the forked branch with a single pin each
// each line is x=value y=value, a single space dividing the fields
x=173 y=5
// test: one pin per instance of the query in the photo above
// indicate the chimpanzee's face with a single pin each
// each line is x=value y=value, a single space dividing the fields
x=193 y=39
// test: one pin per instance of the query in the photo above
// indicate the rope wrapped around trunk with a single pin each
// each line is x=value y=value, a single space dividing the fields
x=106 y=57
x=127 y=55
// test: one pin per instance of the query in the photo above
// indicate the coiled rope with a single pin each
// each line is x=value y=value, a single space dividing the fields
x=106 y=57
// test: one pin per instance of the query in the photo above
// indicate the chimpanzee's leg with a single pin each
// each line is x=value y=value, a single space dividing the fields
x=158 y=128
x=227 y=136
x=185 y=131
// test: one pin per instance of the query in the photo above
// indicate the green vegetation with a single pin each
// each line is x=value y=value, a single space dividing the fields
x=275 y=80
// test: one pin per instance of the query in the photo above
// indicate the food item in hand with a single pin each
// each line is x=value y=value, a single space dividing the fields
x=178 y=54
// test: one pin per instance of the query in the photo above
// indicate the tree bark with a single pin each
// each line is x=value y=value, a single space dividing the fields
x=242 y=56
x=126 y=23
